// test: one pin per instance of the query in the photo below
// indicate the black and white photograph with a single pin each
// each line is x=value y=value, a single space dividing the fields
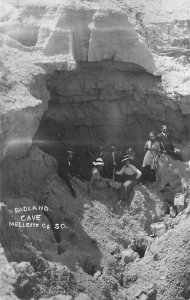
x=94 y=149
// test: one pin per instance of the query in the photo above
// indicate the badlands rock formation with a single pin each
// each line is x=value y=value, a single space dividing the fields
x=68 y=49
x=71 y=70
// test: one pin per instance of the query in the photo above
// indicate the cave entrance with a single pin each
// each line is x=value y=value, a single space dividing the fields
x=140 y=251
x=110 y=101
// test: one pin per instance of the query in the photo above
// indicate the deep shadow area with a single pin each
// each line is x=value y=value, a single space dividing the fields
x=89 y=267
x=140 y=251
x=105 y=102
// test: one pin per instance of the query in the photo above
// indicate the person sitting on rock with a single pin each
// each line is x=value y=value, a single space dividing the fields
x=152 y=148
x=132 y=174
x=67 y=170
x=96 y=179
x=167 y=146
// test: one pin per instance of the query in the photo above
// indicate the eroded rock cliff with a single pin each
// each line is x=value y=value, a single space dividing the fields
x=119 y=69
x=46 y=37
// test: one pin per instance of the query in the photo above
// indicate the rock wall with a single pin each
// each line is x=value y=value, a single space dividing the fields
x=47 y=36
x=170 y=283
x=25 y=176
x=128 y=63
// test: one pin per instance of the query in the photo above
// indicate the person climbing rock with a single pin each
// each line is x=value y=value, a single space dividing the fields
x=166 y=144
x=67 y=169
x=132 y=174
x=112 y=161
x=152 y=148
x=96 y=179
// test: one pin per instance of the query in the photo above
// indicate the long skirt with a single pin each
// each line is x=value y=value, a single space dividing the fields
x=148 y=175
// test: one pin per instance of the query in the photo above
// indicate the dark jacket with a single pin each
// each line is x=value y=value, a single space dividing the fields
x=111 y=163
x=66 y=169
x=103 y=155
x=165 y=143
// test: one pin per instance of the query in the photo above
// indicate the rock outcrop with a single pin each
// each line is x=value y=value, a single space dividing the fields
x=168 y=270
x=73 y=73
x=8 y=278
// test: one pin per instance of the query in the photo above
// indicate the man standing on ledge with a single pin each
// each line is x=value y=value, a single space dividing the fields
x=67 y=170
x=112 y=161
x=167 y=146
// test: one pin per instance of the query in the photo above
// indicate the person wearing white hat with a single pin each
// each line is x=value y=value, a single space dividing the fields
x=96 y=178
x=132 y=174
x=131 y=153
x=152 y=148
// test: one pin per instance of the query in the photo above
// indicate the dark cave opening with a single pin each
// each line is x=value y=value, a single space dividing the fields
x=139 y=245
x=89 y=267
x=102 y=103
x=140 y=251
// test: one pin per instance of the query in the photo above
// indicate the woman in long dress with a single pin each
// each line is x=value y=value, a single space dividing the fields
x=152 y=148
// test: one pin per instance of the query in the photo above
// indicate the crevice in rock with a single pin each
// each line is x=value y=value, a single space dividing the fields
x=56 y=232
x=89 y=267
x=139 y=245
x=140 y=251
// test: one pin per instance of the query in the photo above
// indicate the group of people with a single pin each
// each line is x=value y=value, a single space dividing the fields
x=111 y=166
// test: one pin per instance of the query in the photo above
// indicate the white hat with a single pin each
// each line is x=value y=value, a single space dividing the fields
x=127 y=157
x=130 y=152
x=70 y=152
x=98 y=162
